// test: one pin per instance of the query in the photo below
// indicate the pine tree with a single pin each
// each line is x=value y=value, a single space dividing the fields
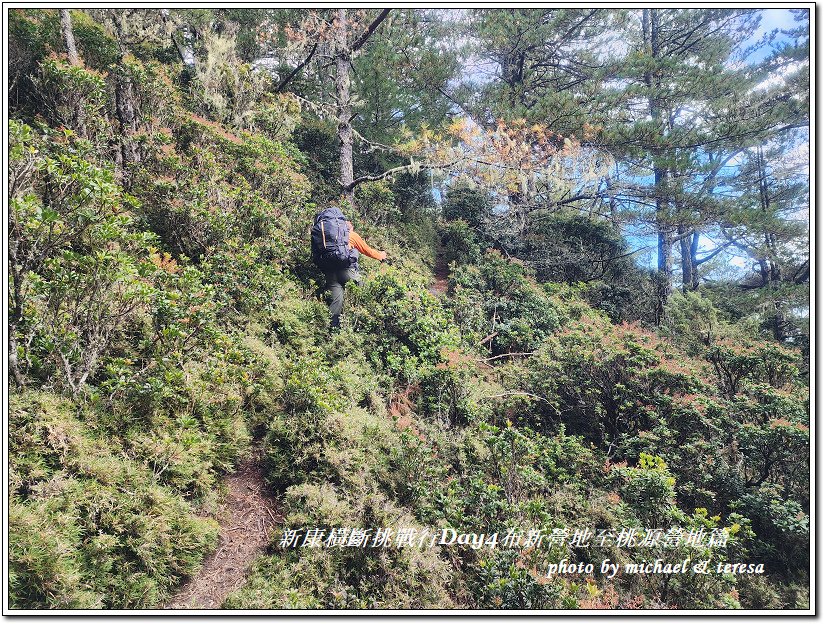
x=548 y=65
x=679 y=70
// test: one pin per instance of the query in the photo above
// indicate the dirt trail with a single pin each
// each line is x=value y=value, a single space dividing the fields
x=247 y=518
x=440 y=284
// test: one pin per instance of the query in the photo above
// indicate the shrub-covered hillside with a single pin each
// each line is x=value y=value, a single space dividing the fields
x=165 y=319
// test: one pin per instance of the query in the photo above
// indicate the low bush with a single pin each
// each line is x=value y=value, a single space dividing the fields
x=91 y=527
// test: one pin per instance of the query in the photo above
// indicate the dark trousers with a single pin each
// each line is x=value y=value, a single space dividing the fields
x=335 y=283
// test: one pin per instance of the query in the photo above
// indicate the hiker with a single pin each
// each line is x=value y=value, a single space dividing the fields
x=335 y=249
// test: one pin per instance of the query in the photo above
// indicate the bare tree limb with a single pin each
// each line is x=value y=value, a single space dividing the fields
x=803 y=273
x=297 y=69
x=394 y=170
x=714 y=253
x=510 y=354
x=488 y=338
x=363 y=38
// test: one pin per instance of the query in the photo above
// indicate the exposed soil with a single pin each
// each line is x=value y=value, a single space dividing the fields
x=247 y=519
x=440 y=282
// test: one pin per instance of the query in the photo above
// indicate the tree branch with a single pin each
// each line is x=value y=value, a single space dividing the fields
x=623 y=255
x=714 y=253
x=510 y=354
x=575 y=198
x=297 y=69
x=394 y=170
x=377 y=22
x=488 y=338
x=453 y=100
x=803 y=273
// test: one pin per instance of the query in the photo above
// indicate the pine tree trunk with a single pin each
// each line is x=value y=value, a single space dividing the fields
x=779 y=321
x=650 y=19
x=126 y=117
x=764 y=271
x=79 y=120
x=342 y=86
x=769 y=266
x=685 y=241
x=664 y=245
x=68 y=36
x=124 y=103
x=694 y=258
x=689 y=258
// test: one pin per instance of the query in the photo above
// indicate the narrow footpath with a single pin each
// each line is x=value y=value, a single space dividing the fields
x=248 y=517
x=247 y=520
x=440 y=283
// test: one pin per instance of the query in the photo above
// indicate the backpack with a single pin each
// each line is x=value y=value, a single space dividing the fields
x=330 y=241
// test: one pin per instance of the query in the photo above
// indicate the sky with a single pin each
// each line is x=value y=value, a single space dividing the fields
x=771 y=19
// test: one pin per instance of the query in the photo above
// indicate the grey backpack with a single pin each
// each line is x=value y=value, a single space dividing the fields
x=330 y=241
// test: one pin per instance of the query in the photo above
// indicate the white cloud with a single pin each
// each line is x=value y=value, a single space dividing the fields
x=780 y=77
x=775 y=18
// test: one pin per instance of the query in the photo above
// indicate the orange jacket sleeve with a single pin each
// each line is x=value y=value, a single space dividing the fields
x=358 y=243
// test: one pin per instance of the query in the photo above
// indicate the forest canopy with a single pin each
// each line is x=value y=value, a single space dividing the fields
x=596 y=315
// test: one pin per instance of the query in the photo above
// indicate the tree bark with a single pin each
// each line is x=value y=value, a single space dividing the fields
x=770 y=267
x=664 y=245
x=79 y=115
x=344 y=50
x=124 y=103
x=343 y=55
x=650 y=20
x=68 y=36
x=689 y=258
x=685 y=240
x=694 y=258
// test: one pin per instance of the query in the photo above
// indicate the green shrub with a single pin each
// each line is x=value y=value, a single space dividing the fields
x=376 y=203
x=649 y=488
x=504 y=580
x=160 y=278
x=72 y=97
x=409 y=328
x=608 y=380
x=90 y=527
x=460 y=243
x=79 y=262
x=470 y=205
x=736 y=363
x=338 y=577
x=496 y=303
